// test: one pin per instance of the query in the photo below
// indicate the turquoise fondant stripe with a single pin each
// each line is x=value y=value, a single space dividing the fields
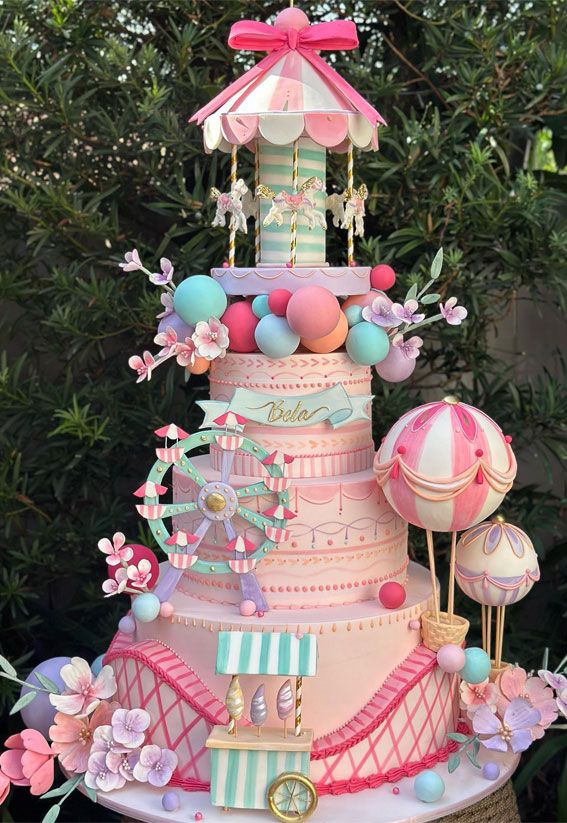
x=284 y=654
x=232 y=776
x=245 y=664
x=264 y=655
x=222 y=651
x=250 y=780
x=272 y=767
x=214 y=774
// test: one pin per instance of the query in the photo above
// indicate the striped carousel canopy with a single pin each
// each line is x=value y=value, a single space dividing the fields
x=277 y=653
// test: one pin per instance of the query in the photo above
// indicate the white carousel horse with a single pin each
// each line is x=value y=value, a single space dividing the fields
x=303 y=203
x=347 y=207
x=230 y=203
x=335 y=203
x=250 y=205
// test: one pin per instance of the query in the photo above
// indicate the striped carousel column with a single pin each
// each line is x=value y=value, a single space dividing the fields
x=232 y=235
x=350 y=189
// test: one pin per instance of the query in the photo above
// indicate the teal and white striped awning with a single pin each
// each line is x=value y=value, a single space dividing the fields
x=277 y=653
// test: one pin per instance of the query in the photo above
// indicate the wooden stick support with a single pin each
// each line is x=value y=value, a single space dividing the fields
x=293 y=220
x=451 y=592
x=285 y=727
x=500 y=611
x=488 y=629
x=429 y=538
x=232 y=235
x=483 y=623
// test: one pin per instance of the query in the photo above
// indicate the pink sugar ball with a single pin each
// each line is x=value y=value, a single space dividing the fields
x=241 y=323
x=396 y=366
x=414 y=625
x=361 y=300
x=278 y=300
x=451 y=658
x=292 y=18
x=382 y=277
x=313 y=312
x=166 y=609
x=392 y=595
x=247 y=608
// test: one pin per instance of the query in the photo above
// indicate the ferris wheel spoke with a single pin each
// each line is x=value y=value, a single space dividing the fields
x=168 y=581
x=255 y=518
x=226 y=465
x=190 y=470
x=231 y=532
x=254 y=490
x=172 y=509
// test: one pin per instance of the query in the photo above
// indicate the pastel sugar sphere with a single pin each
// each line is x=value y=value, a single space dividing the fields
x=179 y=326
x=260 y=306
x=200 y=366
x=330 y=342
x=396 y=366
x=278 y=300
x=146 y=607
x=292 y=18
x=477 y=665
x=491 y=770
x=274 y=337
x=367 y=344
x=451 y=658
x=198 y=298
x=353 y=314
x=96 y=665
x=241 y=323
x=247 y=608
x=39 y=713
x=382 y=277
x=166 y=609
x=170 y=801
x=429 y=786
x=313 y=312
x=392 y=595
x=361 y=300
x=127 y=624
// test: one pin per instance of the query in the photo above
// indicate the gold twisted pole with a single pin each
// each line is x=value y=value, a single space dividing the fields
x=232 y=236
x=294 y=182
x=298 y=696
x=257 y=221
x=350 y=190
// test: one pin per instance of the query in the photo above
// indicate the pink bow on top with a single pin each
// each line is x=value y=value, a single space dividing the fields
x=280 y=40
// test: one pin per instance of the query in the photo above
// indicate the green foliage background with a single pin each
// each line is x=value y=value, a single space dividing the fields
x=96 y=156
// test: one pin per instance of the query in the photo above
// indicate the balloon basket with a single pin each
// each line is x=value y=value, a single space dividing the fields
x=496 y=671
x=447 y=630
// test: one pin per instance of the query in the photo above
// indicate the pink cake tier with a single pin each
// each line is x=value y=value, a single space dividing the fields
x=380 y=707
x=340 y=280
x=344 y=542
x=319 y=450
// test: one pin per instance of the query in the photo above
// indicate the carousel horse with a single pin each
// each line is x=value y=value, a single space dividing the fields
x=303 y=203
x=231 y=203
x=347 y=207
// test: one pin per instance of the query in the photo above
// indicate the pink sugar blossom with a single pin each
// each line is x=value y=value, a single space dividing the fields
x=132 y=261
x=123 y=763
x=28 y=761
x=140 y=575
x=410 y=348
x=167 y=340
x=116 y=551
x=166 y=300
x=380 y=312
x=4 y=787
x=558 y=683
x=83 y=694
x=99 y=776
x=142 y=366
x=163 y=277
x=186 y=352
x=514 y=730
x=210 y=339
x=408 y=312
x=155 y=765
x=453 y=314
x=515 y=683
x=73 y=736
x=129 y=727
x=479 y=694
x=117 y=584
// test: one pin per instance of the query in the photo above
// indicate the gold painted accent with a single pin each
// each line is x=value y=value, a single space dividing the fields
x=203 y=437
x=159 y=469
x=498 y=518
x=298 y=414
x=212 y=568
x=451 y=400
x=215 y=502
x=284 y=789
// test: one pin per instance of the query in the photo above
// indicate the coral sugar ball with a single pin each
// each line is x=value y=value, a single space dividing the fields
x=451 y=658
x=382 y=277
x=331 y=342
x=361 y=300
x=145 y=607
x=198 y=298
x=429 y=786
x=241 y=323
x=313 y=312
x=275 y=338
x=392 y=595
x=278 y=300
x=199 y=366
x=477 y=665
x=367 y=344
x=247 y=608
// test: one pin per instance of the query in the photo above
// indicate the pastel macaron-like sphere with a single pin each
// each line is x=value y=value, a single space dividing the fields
x=170 y=801
x=199 y=366
x=396 y=366
x=353 y=314
x=198 y=298
x=292 y=18
x=428 y=786
x=274 y=337
x=382 y=277
x=179 y=326
x=96 y=665
x=477 y=665
x=330 y=342
x=260 y=306
x=367 y=344
x=145 y=607
x=127 y=624
x=361 y=300
x=247 y=608
x=39 y=713
x=278 y=300
x=451 y=658
x=491 y=770
x=241 y=323
x=313 y=312
x=392 y=595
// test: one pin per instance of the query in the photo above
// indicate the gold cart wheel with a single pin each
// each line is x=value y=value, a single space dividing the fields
x=292 y=797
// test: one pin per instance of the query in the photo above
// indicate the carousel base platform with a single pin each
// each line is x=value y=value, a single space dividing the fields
x=468 y=797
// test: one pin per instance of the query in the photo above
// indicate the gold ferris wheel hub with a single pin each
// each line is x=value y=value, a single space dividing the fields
x=215 y=502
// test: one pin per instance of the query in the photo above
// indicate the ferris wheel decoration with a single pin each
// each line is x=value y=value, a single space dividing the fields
x=219 y=501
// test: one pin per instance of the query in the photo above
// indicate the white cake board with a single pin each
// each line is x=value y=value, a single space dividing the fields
x=462 y=788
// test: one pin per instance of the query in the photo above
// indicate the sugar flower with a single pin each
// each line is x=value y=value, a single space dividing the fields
x=380 y=312
x=514 y=683
x=453 y=314
x=73 y=736
x=558 y=683
x=409 y=348
x=479 y=694
x=4 y=787
x=155 y=765
x=83 y=694
x=163 y=277
x=116 y=551
x=186 y=352
x=166 y=300
x=132 y=261
x=29 y=761
x=210 y=339
x=129 y=726
x=514 y=730
x=103 y=740
x=100 y=777
x=167 y=340
x=408 y=312
x=142 y=365
x=116 y=584
x=123 y=763
x=140 y=575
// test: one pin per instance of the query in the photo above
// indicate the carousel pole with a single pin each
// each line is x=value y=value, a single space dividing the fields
x=293 y=225
x=429 y=538
x=257 y=220
x=451 y=593
x=232 y=236
x=350 y=188
x=500 y=610
x=298 y=696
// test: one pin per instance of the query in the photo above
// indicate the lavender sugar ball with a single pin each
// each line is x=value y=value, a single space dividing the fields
x=491 y=771
x=170 y=801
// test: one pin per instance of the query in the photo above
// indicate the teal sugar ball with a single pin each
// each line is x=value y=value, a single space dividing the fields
x=429 y=786
x=477 y=666
x=145 y=607
x=367 y=344
x=260 y=306
x=274 y=336
x=353 y=315
x=96 y=665
x=198 y=298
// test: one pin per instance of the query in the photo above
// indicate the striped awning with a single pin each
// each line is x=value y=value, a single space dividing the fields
x=276 y=653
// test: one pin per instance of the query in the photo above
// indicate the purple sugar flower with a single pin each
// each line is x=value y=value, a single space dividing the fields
x=408 y=312
x=155 y=765
x=513 y=730
x=453 y=314
x=123 y=763
x=99 y=776
x=132 y=261
x=103 y=741
x=380 y=312
x=129 y=726
x=163 y=277
x=410 y=348
x=166 y=300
